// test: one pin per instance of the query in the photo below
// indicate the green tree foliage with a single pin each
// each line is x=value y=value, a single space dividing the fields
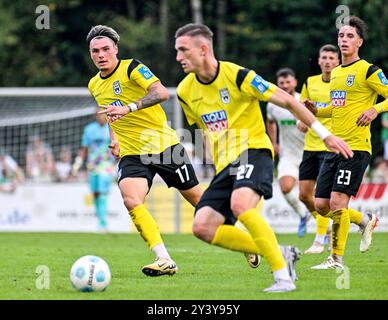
x=261 y=35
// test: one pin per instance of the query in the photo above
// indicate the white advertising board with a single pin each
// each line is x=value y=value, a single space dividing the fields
x=69 y=208
x=59 y=207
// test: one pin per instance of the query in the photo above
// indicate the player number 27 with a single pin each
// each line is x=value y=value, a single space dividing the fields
x=244 y=171
x=344 y=177
x=180 y=170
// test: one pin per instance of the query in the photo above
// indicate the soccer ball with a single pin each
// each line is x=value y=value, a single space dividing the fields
x=90 y=273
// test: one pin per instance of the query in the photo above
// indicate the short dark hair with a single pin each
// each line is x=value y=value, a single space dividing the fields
x=194 y=29
x=359 y=25
x=330 y=48
x=102 y=31
x=285 y=72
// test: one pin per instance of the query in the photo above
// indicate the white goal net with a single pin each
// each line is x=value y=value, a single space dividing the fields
x=49 y=123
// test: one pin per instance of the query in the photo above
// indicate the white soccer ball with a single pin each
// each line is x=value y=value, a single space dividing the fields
x=90 y=273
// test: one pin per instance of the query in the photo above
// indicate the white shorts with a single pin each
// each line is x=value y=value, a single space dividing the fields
x=289 y=166
x=386 y=150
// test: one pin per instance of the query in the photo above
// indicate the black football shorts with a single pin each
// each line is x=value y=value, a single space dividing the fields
x=255 y=173
x=173 y=165
x=341 y=175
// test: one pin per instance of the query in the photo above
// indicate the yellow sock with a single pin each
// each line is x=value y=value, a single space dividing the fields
x=341 y=226
x=355 y=216
x=264 y=238
x=259 y=206
x=233 y=238
x=322 y=224
x=146 y=225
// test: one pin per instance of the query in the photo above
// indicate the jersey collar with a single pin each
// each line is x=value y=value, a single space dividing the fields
x=344 y=66
x=114 y=70
x=215 y=77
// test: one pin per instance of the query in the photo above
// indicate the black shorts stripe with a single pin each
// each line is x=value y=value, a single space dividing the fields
x=173 y=165
x=311 y=164
x=253 y=169
x=338 y=174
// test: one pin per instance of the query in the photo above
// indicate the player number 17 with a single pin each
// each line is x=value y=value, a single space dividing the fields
x=180 y=170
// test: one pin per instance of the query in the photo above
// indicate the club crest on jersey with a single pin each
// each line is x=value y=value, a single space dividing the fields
x=338 y=98
x=350 y=80
x=215 y=121
x=383 y=78
x=116 y=87
x=225 y=96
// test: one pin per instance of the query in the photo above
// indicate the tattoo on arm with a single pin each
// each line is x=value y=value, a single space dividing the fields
x=150 y=99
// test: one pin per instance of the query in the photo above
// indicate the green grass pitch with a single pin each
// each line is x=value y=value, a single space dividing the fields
x=205 y=272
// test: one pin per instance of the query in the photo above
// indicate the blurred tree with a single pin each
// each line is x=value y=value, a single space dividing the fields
x=262 y=35
x=196 y=7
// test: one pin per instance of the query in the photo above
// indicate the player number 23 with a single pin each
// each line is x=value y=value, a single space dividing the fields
x=344 y=177
x=244 y=171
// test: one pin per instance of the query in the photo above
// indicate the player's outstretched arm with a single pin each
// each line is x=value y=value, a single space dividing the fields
x=302 y=127
x=157 y=93
x=283 y=99
x=338 y=146
x=321 y=112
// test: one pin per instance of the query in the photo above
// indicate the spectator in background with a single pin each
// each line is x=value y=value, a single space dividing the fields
x=281 y=122
x=380 y=171
x=100 y=165
x=40 y=164
x=384 y=134
x=11 y=175
x=63 y=165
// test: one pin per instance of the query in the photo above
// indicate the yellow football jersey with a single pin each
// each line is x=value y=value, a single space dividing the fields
x=227 y=109
x=318 y=91
x=354 y=89
x=141 y=132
